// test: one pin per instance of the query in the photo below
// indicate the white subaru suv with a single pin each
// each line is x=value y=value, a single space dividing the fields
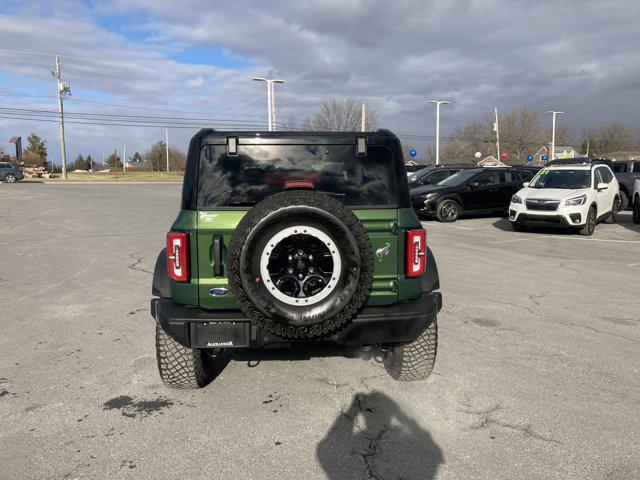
x=567 y=195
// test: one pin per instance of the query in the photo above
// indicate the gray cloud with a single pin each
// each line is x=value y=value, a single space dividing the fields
x=580 y=56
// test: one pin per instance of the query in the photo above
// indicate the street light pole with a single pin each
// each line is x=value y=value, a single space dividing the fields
x=271 y=100
x=438 y=103
x=553 y=133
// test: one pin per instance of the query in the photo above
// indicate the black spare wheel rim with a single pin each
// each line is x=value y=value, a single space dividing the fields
x=300 y=264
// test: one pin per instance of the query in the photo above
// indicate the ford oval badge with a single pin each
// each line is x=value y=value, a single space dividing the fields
x=218 y=292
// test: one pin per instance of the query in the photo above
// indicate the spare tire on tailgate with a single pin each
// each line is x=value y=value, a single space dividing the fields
x=300 y=264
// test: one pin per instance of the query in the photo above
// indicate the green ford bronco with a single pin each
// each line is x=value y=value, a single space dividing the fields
x=286 y=237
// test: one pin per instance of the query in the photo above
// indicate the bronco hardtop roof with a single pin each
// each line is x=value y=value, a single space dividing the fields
x=212 y=136
x=379 y=139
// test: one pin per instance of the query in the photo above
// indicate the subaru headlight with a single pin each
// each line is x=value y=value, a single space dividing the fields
x=576 y=201
x=516 y=199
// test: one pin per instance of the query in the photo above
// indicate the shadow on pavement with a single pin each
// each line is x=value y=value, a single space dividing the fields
x=374 y=438
x=504 y=224
x=625 y=220
x=287 y=353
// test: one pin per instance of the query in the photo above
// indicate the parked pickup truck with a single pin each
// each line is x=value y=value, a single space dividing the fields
x=626 y=172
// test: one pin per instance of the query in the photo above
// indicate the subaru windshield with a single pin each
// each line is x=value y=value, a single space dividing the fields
x=564 y=179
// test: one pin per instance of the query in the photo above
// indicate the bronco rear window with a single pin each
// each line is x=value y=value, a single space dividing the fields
x=258 y=171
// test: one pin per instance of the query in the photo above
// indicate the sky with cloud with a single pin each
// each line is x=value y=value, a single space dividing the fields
x=196 y=59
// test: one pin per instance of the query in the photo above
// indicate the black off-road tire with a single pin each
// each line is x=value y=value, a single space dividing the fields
x=617 y=207
x=442 y=211
x=415 y=360
x=590 y=225
x=272 y=315
x=179 y=366
x=636 y=210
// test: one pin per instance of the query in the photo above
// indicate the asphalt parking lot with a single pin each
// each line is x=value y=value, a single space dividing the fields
x=537 y=373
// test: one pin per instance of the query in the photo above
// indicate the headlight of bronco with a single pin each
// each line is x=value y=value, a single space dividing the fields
x=516 y=199
x=576 y=201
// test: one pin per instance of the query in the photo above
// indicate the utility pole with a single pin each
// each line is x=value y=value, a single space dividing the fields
x=124 y=159
x=166 y=145
x=587 y=148
x=496 y=128
x=271 y=100
x=438 y=103
x=63 y=92
x=363 y=118
x=553 y=133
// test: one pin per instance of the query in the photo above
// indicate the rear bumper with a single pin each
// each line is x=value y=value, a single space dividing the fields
x=200 y=328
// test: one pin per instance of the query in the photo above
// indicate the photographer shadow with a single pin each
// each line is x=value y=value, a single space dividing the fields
x=374 y=438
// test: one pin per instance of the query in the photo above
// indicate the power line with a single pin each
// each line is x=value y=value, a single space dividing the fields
x=108 y=117
x=72 y=66
x=233 y=126
x=25 y=52
x=195 y=112
x=140 y=107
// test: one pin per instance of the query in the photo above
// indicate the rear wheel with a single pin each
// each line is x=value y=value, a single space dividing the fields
x=624 y=201
x=414 y=360
x=590 y=225
x=448 y=211
x=179 y=366
x=615 y=208
x=636 y=210
x=10 y=178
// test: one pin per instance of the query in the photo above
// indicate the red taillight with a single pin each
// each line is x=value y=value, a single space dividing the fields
x=416 y=253
x=178 y=256
x=289 y=184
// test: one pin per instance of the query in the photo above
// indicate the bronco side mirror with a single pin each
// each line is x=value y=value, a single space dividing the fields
x=602 y=186
x=525 y=184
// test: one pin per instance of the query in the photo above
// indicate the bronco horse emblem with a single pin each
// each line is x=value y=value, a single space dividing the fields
x=383 y=251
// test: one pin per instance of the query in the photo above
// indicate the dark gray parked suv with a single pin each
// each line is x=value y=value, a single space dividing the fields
x=10 y=173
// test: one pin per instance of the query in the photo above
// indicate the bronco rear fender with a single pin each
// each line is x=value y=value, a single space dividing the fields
x=161 y=286
x=430 y=279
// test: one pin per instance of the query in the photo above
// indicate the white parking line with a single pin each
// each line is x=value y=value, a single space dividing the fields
x=522 y=239
x=596 y=239
x=455 y=226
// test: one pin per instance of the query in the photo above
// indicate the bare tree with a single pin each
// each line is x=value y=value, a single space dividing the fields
x=521 y=133
x=291 y=123
x=565 y=135
x=343 y=115
x=156 y=156
x=609 y=137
